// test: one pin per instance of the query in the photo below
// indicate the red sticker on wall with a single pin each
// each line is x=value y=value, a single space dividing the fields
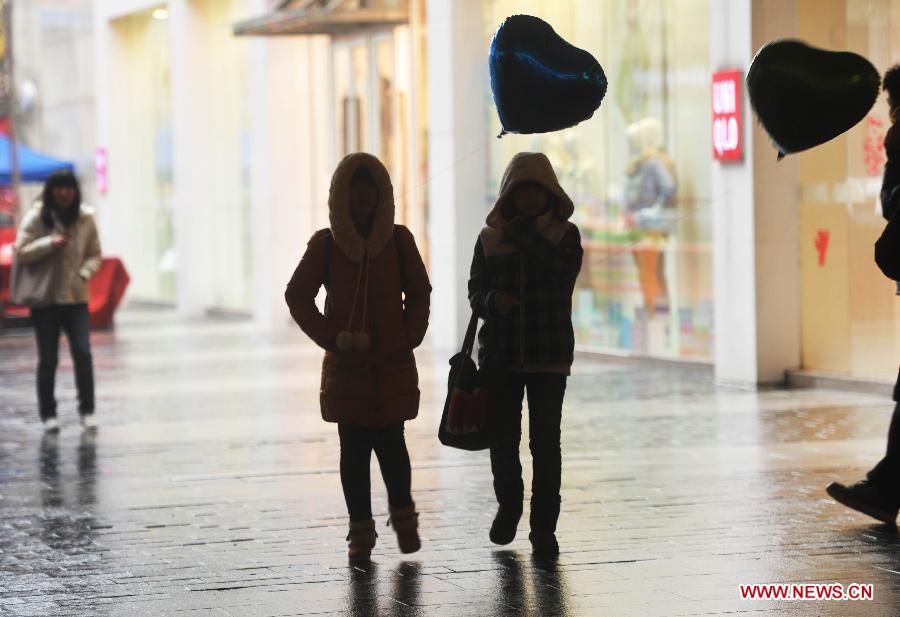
x=873 y=148
x=821 y=244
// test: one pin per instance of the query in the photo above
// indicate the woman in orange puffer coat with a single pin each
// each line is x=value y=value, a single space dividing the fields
x=376 y=313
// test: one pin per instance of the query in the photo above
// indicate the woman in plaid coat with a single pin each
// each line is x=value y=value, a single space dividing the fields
x=521 y=283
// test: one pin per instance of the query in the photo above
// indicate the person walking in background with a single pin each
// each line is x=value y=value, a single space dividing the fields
x=61 y=228
x=878 y=495
x=376 y=313
x=650 y=188
x=521 y=283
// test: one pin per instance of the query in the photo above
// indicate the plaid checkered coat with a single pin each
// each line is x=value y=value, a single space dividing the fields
x=887 y=256
x=537 y=262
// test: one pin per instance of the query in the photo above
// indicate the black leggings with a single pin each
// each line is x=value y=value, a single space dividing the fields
x=73 y=319
x=545 y=398
x=357 y=443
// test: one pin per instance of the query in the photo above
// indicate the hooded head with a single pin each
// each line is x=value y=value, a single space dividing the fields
x=529 y=168
x=362 y=170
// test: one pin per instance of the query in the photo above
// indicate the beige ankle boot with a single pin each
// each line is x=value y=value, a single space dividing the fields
x=405 y=522
x=361 y=540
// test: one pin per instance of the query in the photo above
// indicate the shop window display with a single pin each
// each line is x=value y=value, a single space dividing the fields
x=144 y=146
x=638 y=172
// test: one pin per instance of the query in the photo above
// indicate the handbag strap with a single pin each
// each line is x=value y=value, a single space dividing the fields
x=466 y=351
x=469 y=340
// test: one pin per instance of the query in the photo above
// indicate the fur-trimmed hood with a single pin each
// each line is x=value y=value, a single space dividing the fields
x=552 y=225
x=529 y=167
x=342 y=228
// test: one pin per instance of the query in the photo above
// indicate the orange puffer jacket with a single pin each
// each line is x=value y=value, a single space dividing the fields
x=377 y=285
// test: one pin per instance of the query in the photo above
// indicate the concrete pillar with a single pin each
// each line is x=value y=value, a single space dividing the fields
x=104 y=54
x=291 y=149
x=192 y=175
x=756 y=251
x=457 y=158
x=117 y=222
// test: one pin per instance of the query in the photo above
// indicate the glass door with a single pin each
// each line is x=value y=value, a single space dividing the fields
x=371 y=100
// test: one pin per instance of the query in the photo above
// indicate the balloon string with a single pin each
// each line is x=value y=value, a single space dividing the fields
x=607 y=259
x=481 y=148
x=441 y=172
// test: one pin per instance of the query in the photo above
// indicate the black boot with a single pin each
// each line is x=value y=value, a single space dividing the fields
x=868 y=498
x=503 y=531
x=544 y=545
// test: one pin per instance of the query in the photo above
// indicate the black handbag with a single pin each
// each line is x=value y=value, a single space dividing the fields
x=465 y=419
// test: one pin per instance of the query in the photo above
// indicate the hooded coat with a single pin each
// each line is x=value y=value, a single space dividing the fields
x=375 y=284
x=535 y=261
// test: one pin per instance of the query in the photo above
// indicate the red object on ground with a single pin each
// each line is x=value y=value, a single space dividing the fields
x=106 y=290
x=7 y=236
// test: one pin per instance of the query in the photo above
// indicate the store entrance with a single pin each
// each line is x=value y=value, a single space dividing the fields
x=371 y=106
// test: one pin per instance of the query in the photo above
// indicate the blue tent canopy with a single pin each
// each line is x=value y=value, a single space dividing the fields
x=33 y=166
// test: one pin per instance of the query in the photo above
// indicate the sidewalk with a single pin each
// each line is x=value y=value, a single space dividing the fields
x=211 y=488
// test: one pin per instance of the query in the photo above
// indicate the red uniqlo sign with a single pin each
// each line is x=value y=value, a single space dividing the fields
x=726 y=107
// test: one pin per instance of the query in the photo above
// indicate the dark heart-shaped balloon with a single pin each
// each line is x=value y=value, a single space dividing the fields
x=540 y=82
x=806 y=96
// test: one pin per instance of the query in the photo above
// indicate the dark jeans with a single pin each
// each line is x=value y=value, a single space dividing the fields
x=545 y=397
x=357 y=443
x=72 y=319
x=887 y=472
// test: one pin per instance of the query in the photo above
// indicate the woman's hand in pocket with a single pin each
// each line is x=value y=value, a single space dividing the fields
x=79 y=286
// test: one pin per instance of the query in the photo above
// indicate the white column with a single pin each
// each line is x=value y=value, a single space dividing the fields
x=457 y=158
x=104 y=46
x=287 y=147
x=115 y=218
x=191 y=139
x=755 y=218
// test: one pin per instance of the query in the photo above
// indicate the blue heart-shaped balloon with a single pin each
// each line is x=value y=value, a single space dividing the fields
x=540 y=82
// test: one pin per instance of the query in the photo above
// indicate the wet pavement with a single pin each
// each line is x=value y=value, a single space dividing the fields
x=211 y=488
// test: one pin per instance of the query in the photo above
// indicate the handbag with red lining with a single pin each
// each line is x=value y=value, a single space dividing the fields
x=465 y=419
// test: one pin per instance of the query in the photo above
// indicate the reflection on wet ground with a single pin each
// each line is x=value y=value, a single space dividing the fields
x=211 y=488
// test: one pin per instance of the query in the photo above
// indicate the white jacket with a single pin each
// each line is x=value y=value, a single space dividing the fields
x=80 y=257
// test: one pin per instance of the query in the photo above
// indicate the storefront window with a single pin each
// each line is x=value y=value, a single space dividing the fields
x=146 y=99
x=638 y=172
x=850 y=313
